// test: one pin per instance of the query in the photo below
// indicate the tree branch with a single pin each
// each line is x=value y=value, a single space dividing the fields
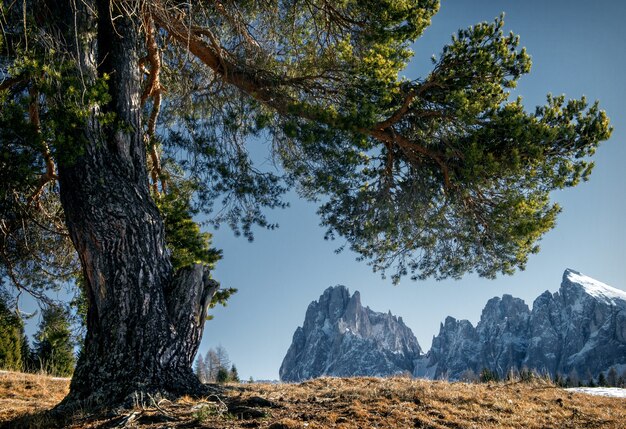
x=271 y=93
x=50 y=174
x=153 y=89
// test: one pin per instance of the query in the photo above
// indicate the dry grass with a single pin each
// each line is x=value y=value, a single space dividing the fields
x=28 y=393
x=339 y=403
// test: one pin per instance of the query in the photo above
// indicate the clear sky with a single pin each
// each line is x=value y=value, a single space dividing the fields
x=577 y=49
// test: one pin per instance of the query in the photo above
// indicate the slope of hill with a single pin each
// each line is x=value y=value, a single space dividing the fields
x=330 y=403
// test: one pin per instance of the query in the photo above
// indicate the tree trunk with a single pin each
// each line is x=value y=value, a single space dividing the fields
x=144 y=322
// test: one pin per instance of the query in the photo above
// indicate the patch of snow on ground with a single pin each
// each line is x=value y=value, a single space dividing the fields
x=614 y=392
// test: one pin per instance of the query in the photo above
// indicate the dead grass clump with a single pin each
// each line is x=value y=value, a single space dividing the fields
x=22 y=393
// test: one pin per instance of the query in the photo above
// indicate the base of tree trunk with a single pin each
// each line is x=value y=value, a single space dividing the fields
x=134 y=393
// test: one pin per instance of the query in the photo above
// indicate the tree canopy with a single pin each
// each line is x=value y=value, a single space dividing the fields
x=433 y=177
x=121 y=120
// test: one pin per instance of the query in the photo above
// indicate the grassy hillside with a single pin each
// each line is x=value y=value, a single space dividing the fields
x=330 y=403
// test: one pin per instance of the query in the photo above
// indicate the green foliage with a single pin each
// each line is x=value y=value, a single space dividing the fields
x=463 y=181
x=11 y=337
x=188 y=245
x=435 y=177
x=233 y=375
x=54 y=348
x=41 y=115
x=222 y=375
x=487 y=375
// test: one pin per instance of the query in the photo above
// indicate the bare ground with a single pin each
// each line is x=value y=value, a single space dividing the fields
x=328 y=403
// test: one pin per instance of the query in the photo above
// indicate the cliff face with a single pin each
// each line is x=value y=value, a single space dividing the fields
x=340 y=337
x=580 y=328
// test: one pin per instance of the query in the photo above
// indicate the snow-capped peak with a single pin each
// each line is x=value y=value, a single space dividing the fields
x=594 y=287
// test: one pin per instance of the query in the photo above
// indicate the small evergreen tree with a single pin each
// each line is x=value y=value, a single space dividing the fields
x=11 y=336
x=222 y=375
x=233 y=375
x=27 y=354
x=54 y=347
x=602 y=380
x=559 y=380
x=487 y=375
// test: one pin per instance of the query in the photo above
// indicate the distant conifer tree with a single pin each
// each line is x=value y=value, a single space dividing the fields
x=11 y=336
x=222 y=357
x=602 y=380
x=54 y=347
x=234 y=375
x=222 y=375
x=487 y=375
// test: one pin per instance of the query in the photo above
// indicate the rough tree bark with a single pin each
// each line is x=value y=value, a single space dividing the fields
x=144 y=321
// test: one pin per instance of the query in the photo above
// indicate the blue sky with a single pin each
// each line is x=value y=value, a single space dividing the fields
x=577 y=49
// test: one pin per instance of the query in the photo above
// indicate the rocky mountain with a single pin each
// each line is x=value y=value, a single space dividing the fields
x=579 y=329
x=340 y=337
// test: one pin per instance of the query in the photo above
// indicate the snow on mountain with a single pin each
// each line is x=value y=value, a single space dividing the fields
x=595 y=288
x=578 y=331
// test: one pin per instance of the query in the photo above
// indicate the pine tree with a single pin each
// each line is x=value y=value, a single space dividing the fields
x=573 y=380
x=11 y=336
x=487 y=375
x=406 y=171
x=54 y=347
x=233 y=374
x=28 y=365
x=602 y=380
x=222 y=375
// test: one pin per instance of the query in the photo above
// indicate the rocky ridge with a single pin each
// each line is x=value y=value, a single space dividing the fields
x=578 y=330
x=340 y=337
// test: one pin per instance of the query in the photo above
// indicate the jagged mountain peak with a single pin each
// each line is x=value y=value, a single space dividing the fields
x=593 y=287
x=503 y=308
x=340 y=337
x=580 y=328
